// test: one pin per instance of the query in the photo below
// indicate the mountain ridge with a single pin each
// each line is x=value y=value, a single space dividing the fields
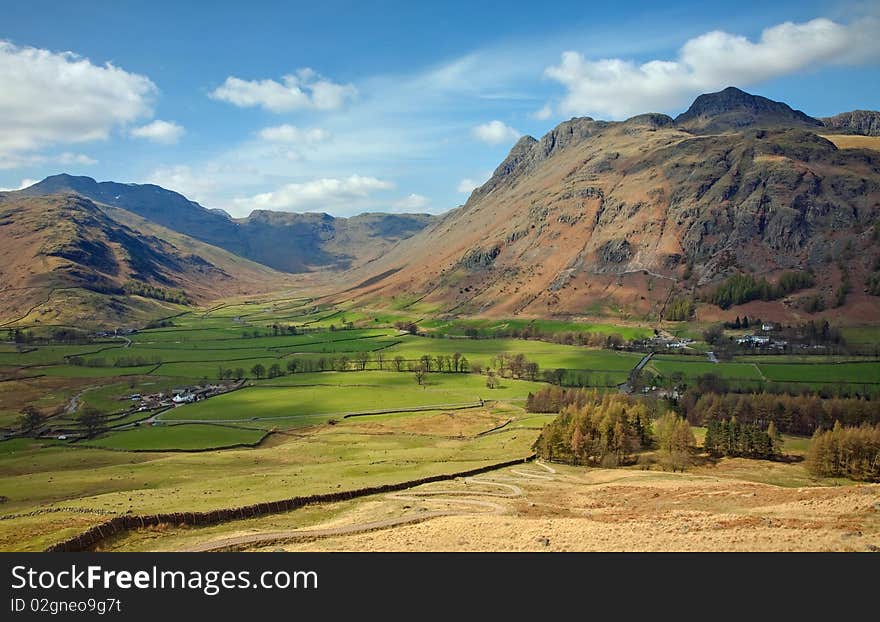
x=319 y=238
x=599 y=217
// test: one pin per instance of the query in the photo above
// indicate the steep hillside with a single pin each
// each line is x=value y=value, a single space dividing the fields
x=284 y=241
x=599 y=218
x=63 y=259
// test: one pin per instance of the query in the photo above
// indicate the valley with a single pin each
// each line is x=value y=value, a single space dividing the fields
x=652 y=334
x=330 y=399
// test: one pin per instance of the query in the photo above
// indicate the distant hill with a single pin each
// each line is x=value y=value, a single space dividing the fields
x=599 y=218
x=863 y=122
x=65 y=260
x=285 y=241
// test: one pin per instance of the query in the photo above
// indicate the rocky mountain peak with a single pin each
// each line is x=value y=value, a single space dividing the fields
x=733 y=108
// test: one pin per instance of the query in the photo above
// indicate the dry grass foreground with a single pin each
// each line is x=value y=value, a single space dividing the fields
x=558 y=508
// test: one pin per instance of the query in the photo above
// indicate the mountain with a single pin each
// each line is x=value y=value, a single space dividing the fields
x=303 y=242
x=620 y=218
x=733 y=108
x=863 y=122
x=65 y=260
x=284 y=241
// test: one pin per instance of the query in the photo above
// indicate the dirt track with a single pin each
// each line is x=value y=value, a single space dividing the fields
x=464 y=500
x=534 y=508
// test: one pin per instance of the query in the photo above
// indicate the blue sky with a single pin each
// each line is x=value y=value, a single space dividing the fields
x=347 y=107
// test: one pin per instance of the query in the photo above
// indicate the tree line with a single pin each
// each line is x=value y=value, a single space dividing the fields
x=729 y=437
x=441 y=363
x=123 y=361
x=790 y=414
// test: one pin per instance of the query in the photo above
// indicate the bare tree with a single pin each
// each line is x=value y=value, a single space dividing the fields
x=420 y=373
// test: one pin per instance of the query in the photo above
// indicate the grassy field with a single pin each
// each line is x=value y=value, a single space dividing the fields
x=312 y=447
x=306 y=399
x=184 y=437
x=353 y=453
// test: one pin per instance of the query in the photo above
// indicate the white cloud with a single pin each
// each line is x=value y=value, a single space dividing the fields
x=495 y=132
x=194 y=186
x=291 y=134
x=327 y=194
x=301 y=91
x=621 y=88
x=25 y=183
x=75 y=158
x=544 y=113
x=467 y=185
x=158 y=131
x=59 y=97
x=411 y=203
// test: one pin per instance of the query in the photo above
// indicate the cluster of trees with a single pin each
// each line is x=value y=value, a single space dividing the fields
x=846 y=452
x=125 y=361
x=20 y=337
x=792 y=414
x=137 y=288
x=69 y=336
x=136 y=361
x=741 y=288
x=604 y=431
x=732 y=438
x=91 y=420
x=231 y=374
x=455 y=363
x=745 y=322
x=410 y=327
x=56 y=335
x=260 y=371
x=284 y=329
x=813 y=304
x=554 y=399
x=29 y=419
x=515 y=366
x=679 y=309
x=675 y=441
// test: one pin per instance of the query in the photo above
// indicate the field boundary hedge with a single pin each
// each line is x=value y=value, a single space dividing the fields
x=128 y=522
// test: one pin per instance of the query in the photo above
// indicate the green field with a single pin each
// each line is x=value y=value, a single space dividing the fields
x=819 y=373
x=449 y=423
x=184 y=437
x=305 y=399
x=692 y=366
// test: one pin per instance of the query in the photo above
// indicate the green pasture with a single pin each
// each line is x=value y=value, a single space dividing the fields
x=305 y=399
x=185 y=437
